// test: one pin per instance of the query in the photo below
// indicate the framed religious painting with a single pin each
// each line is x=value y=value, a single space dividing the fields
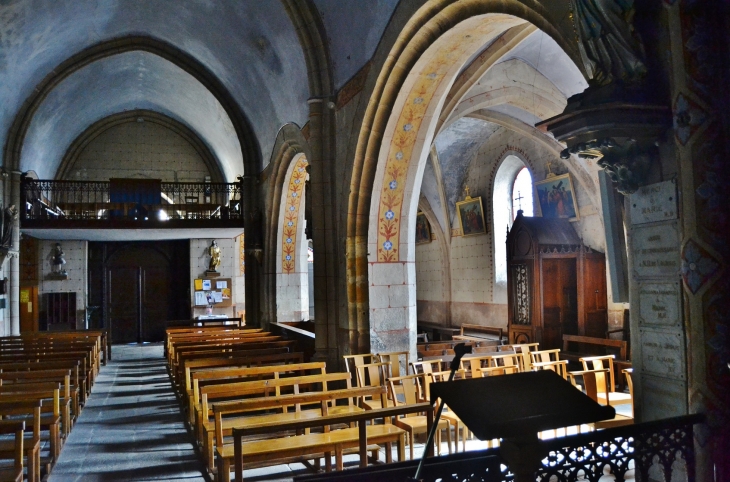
x=557 y=197
x=471 y=216
x=423 y=229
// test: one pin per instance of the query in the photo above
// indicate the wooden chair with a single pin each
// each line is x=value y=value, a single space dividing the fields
x=560 y=367
x=447 y=414
x=591 y=381
x=545 y=355
x=507 y=360
x=524 y=350
x=371 y=375
x=480 y=372
x=352 y=361
x=394 y=359
x=607 y=393
x=411 y=423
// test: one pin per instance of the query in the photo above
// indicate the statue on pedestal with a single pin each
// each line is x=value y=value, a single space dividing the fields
x=57 y=262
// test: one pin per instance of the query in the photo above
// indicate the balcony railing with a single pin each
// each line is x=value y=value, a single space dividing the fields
x=660 y=450
x=92 y=203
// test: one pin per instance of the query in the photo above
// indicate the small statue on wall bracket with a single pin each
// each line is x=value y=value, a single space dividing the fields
x=214 y=251
x=57 y=263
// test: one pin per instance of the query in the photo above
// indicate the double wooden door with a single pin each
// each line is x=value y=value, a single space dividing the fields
x=144 y=286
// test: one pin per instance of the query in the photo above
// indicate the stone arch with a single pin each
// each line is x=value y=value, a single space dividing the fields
x=96 y=129
x=409 y=93
x=250 y=149
x=290 y=144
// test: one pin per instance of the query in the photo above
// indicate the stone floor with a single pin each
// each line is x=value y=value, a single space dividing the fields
x=132 y=429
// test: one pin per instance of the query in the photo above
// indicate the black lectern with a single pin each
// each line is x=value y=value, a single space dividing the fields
x=515 y=408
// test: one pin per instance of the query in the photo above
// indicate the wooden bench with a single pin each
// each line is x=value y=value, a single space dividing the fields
x=479 y=332
x=584 y=341
x=205 y=427
x=437 y=332
x=316 y=444
x=15 y=453
x=78 y=377
x=30 y=414
x=323 y=400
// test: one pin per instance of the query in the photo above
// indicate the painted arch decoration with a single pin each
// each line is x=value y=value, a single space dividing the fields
x=294 y=195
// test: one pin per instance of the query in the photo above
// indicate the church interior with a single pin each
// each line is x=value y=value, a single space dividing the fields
x=233 y=230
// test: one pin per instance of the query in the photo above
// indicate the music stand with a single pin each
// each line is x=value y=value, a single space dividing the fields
x=515 y=408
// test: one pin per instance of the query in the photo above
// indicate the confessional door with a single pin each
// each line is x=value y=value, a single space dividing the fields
x=559 y=300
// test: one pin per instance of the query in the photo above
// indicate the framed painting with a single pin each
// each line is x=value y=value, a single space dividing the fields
x=557 y=197
x=423 y=229
x=471 y=216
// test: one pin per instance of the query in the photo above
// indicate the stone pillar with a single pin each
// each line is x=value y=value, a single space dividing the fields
x=14 y=260
x=323 y=231
x=252 y=238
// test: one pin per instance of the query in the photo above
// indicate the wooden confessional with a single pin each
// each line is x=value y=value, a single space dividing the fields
x=556 y=286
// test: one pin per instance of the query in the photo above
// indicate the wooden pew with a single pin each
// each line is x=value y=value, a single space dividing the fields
x=30 y=411
x=479 y=332
x=275 y=356
x=207 y=340
x=256 y=388
x=78 y=376
x=16 y=452
x=222 y=375
x=50 y=412
x=200 y=330
x=583 y=341
x=228 y=417
x=319 y=444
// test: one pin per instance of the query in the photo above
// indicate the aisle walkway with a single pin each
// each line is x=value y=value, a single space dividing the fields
x=131 y=427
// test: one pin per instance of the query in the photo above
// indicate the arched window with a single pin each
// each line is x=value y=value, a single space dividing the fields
x=522 y=193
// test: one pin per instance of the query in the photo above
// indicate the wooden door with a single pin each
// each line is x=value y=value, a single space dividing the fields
x=595 y=298
x=559 y=300
x=28 y=309
x=123 y=304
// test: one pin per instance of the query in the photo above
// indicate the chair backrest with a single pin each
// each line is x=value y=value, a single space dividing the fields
x=394 y=360
x=480 y=372
x=410 y=389
x=524 y=349
x=370 y=375
x=352 y=361
x=592 y=383
x=542 y=356
x=508 y=360
x=428 y=366
x=560 y=367
x=598 y=363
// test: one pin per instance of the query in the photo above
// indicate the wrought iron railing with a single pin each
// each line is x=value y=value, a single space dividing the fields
x=661 y=450
x=95 y=201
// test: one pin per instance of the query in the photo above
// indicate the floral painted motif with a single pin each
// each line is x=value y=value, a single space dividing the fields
x=697 y=266
x=291 y=215
x=410 y=120
x=688 y=117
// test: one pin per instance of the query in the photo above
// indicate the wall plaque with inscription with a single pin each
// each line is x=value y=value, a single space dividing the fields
x=663 y=398
x=663 y=354
x=656 y=250
x=656 y=202
x=659 y=304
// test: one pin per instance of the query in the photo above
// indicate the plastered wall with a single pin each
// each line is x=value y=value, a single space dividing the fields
x=229 y=268
x=474 y=296
x=139 y=149
x=76 y=255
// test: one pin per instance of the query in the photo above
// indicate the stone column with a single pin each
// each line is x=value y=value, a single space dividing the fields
x=14 y=260
x=252 y=238
x=323 y=231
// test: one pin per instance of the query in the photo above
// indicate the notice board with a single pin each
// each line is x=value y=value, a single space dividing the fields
x=217 y=292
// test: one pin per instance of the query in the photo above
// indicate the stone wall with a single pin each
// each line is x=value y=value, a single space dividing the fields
x=139 y=149
x=76 y=255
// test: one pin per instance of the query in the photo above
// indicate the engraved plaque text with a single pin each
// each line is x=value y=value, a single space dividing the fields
x=657 y=202
x=656 y=250
x=659 y=304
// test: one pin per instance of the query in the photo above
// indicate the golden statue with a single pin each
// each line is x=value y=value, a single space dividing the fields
x=215 y=256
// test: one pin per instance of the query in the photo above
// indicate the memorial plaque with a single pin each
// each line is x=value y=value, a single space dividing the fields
x=659 y=304
x=657 y=202
x=656 y=250
x=662 y=398
x=663 y=354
